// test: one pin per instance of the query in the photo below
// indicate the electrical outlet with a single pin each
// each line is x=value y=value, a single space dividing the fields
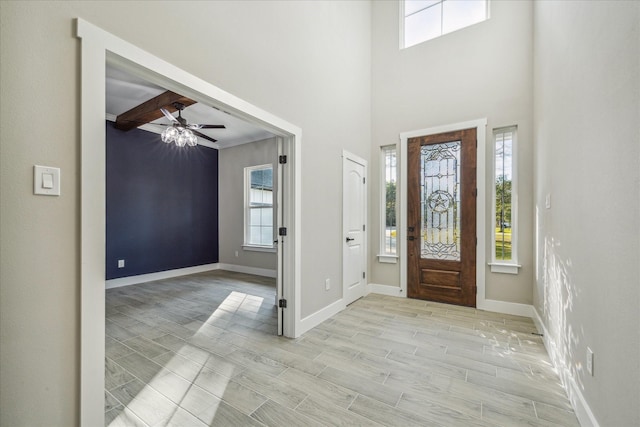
x=120 y=263
x=590 y=361
x=236 y=254
x=327 y=284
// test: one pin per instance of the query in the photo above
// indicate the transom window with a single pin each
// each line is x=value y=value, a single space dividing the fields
x=259 y=206
x=424 y=20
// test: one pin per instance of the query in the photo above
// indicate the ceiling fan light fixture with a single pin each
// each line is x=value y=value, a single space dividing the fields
x=169 y=135
x=192 y=141
x=181 y=141
x=179 y=135
x=179 y=131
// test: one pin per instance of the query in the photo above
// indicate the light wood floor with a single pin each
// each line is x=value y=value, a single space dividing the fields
x=201 y=350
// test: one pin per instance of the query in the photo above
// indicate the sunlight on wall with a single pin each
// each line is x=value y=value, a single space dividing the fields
x=560 y=295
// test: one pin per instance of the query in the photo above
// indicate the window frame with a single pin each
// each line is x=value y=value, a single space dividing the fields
x=402 y=18
x=385 y=256
x=506 y=266
x=247 y=211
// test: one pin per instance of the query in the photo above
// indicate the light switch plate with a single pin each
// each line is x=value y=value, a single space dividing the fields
x=46 y=180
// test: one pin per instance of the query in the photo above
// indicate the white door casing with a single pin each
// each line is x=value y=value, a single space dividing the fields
x=354 y=215
x=480 y=125
x=279 y=240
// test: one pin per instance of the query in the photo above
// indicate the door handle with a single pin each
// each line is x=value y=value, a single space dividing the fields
x=349 y=239
x=411 y=238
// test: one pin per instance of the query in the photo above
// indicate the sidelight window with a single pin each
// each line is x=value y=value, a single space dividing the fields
x=505 y=201
x=388 y=226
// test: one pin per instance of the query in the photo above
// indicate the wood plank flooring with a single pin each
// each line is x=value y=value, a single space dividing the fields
x=201 y=350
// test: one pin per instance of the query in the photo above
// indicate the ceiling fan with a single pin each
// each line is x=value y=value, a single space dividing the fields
x=180 y=131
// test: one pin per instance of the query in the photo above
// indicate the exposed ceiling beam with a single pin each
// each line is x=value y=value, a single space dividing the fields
x=149 y=110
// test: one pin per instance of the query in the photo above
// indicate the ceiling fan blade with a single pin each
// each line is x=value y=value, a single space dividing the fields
x=202 y=135
x=211 y=127
x=168 y=115
x=138 y=124
x=131 y=124
x=197 y=126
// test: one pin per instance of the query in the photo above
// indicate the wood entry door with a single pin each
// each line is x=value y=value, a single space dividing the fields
x=441 y=232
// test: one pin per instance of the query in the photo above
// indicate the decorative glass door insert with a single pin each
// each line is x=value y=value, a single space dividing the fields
x=440 y=204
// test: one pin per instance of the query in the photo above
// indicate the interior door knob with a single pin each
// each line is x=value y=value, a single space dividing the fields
x=350 y=239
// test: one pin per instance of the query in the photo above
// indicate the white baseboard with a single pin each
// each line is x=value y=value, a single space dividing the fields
x=249 y=270
x=580 y=406
x=505 y=307
x=320 y=316
x=394 y=291
x=150 y=277
x=143 y=278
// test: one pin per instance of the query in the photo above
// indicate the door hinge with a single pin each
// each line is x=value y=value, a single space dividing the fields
x=282 y=231
x=475 y=192
x=363 y=227
x=282 y=303
x=282 y=159
x=364 y=180
x=476 y=241
x=476 y=142
x=363 y=275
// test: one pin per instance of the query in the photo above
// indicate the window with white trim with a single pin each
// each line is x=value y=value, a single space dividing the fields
x=423 y=20
x=258 y=216
x=388 y=228
x=505 y=196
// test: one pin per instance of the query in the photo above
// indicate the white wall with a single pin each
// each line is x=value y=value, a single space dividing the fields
x=480 y=71
x=586 y=115
x=306 y=62
x=232 y=162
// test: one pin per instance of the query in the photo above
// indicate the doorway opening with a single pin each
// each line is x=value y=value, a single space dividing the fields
x=173 y=210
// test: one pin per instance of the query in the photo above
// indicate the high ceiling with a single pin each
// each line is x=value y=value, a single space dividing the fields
x=125 y=91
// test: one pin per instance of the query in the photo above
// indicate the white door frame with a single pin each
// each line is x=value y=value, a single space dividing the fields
x=347 y=156
x=98 y=47
x=480 y=125
x=280 y=220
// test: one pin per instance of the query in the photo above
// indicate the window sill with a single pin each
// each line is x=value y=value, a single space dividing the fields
x=504 y=268
x=387 y=259
x=271 y=249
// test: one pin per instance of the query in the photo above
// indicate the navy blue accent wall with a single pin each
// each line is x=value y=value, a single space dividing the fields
x=162 y=204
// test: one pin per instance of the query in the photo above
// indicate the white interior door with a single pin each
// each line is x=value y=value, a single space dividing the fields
x=353 y=227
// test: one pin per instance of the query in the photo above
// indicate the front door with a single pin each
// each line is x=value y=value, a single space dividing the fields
x=441 y=232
